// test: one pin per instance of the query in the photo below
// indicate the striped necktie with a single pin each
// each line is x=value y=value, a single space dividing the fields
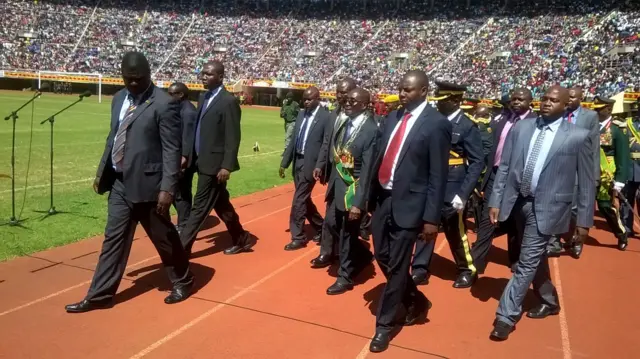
x=121 y=136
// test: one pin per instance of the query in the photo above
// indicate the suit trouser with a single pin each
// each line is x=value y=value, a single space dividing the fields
x=184 y=197
x=122 y=219
x=352 y=252
x=487 y=232
x=302 y=206
x=455 y=231
x=630 y=190
x=533 y=266
x=393 y=247
x=211 y=195
x=365 y=226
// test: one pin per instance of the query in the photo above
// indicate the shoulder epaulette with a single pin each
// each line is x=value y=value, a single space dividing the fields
x=619 y=123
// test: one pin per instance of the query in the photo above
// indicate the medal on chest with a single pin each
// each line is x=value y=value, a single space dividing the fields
x=605 y=137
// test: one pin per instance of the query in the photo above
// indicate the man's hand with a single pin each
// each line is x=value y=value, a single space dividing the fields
x=317 y=173
x=164 y=202
x=281 y=172
x=354 y=213
x=223 y=175
x=429 y=232
x=457 y=203
x=183 y=163
x=493 y=215
x=96 y=182
x=618 y=186
x=581 y=234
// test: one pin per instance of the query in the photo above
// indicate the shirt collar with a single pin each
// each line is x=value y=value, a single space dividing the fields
x=418 y=110
x=553 y=126
x=524 y=115
x=313 y=113
x=138 y=99
x=454 y=115
x=605 y=122
x=212 y=92
x=355 y=122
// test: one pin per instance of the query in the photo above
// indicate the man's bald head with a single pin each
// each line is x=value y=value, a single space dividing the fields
x=342 y=89
x=311 y=98
x=413 y=89
x=553 y=103
x=520 y=101
x=575 y=98
x=136 y=72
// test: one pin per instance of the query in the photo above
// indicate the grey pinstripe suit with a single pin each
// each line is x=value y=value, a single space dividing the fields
x=548 y=212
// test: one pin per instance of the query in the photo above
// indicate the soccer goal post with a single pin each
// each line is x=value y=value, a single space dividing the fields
x=74 y=77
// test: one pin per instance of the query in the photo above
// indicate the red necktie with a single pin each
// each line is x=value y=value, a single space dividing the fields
x=384 y=174
x=570 y=118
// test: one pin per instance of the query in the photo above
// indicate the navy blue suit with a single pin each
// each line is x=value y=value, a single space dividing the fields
x=416 y=197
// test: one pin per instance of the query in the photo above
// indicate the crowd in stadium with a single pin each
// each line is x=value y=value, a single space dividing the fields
x=491 y=48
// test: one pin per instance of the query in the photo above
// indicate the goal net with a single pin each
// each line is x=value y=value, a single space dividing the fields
x=73 y=77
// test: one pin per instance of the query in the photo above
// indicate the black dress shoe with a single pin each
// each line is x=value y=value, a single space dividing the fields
x=86 y=306
x=295 y=245
x=421 y=278
x=576 y=250
x=178 y=294
x=465 y=280
x=543 y=311
x=339 y=288
x=501 y=331
x=321 y=261
x=317 y=237
x=418 y=311
x=243 y=244
x=554 y=252
x=379 y=343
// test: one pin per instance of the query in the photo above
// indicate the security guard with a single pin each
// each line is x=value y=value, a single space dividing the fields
x=466 y=162
x=631 y=188
x=614 y=166
x=482 y=118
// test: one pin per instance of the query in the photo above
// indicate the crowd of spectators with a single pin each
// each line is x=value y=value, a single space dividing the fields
x=488 y=47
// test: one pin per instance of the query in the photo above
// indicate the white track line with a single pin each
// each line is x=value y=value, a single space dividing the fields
x=564 y=325
x=92 y=178
x=365 y=350
x=211 y=311
x=41 y=299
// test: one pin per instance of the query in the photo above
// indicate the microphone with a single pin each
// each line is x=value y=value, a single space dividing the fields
x=44 y=86
x=85 y=94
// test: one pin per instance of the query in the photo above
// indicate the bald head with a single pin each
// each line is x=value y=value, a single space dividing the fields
x=520 y=101
x=553 y=103
x=136 y=72
x=575 y=98
x=342 y=89
x=311 y=98
x=413 y=89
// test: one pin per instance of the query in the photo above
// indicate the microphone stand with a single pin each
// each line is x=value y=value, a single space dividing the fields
x=13 y=221
x=52 y=210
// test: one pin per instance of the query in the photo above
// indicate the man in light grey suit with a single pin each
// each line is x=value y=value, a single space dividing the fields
x=587 y=119
x=535 y=186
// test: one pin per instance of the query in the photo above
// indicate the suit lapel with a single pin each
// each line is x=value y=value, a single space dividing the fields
x=213 y=101
x=115 y=115
x=143 y=106
x=412 y=133
x=558 y=141
x=528 y=134
x=390 y=124
x=315 y=120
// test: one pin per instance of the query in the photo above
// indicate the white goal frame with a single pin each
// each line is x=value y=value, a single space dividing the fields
x=92 y=74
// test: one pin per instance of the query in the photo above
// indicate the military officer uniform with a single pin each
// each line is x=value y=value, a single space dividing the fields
x=614 y=166
x=631 y=188
x=466 y=162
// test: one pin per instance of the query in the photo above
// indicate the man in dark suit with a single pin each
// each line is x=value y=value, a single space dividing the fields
x=303 y=151
x=140 y=168
x=588 y=119
x=535 y=186
x=188 y=115
x=466 y=162
x=407 y=197
x=328 y=246
x=352 y=152
x=215 y=152
x=520 y=109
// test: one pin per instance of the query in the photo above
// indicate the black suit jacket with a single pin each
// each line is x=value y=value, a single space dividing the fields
x=363 y=150
x=420 y=178
x=219 y=134
x=496 y=128
x=188 y=116
x=325 y=151
x=467 y=143
x=151 y=160
x=313 y=146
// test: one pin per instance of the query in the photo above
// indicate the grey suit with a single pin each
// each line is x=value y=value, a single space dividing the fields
x=587 y=119
x=547 y=212
x=151 y=164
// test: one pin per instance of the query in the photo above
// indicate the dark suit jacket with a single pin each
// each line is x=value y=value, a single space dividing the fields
x=588 y=119
x=363 y=150
x=219 y=134
x=323 y=158
x=496 y=128
x=151 y=160
x=467 y=143
x=188 y=116
x=315 y=138
x=420 y=178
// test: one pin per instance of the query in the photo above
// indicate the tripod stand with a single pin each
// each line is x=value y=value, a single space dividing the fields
x=13 y=221
x=52 y=119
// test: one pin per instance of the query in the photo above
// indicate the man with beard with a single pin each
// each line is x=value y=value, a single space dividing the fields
x=520 y=109
x=303 y=151
x=535 y=185
x=328 y=247
x=466 y=162
x=353 y=148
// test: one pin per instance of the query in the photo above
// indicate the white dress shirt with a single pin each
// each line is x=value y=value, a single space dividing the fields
x=415 y=114
x=552 y=130
x=304 y=130
x=454 y=115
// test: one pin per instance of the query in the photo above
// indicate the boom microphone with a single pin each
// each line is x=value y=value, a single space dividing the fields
x=85 y=94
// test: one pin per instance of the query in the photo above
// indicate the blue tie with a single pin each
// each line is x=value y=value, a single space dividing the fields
x=207 y=96
x=302 y=135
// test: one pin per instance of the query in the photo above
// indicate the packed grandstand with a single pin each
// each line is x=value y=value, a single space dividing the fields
x=487 y=44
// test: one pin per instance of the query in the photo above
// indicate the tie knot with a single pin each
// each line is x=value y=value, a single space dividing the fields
x=406 y=116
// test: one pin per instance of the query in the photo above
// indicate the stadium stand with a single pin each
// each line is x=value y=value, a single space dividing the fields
x=592 y=43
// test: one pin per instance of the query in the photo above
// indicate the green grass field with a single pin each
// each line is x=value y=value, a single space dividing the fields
x=79 y=137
